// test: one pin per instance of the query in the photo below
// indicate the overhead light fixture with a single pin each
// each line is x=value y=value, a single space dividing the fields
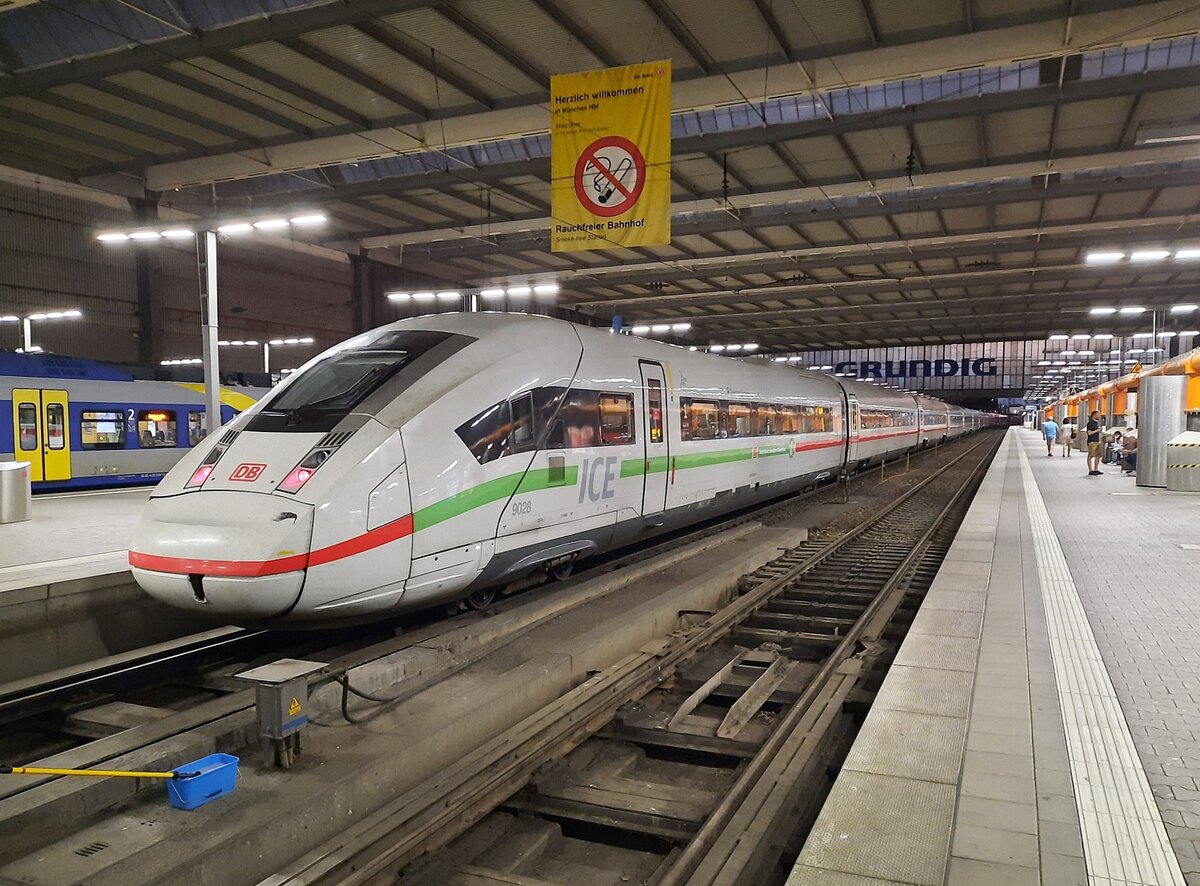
x=1187 y=254
x=424 y=296
x=1102 y=336
x=716 y=349
x=733 y=347
x=1043 y=362
x=1103 y=258
x=1087 y=353
x=113 y=237
x=1189 y=332
x=449 y=294
x=1068 y=353
x=1148 y=255
x=1101 y=311
x=1142 y=335
x=144 y=235
x=1166 y=335
x=519 y=291
x=1132 y=309
x=781 y=359
x=1136 y=351
x=178 y=234
x=753 y=346
x=314 y=218
x=545 y=289
x=1058 y=336
x=1183 y=309
x=640 y=330
x=399 y=296
x=492 y=293
x=1081 y=335
x=680 y=327
x=1166 y=135
x=661 y=327
x=271 y=224
x=238 y=228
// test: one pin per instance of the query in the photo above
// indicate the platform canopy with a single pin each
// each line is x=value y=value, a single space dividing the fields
x=844 y=174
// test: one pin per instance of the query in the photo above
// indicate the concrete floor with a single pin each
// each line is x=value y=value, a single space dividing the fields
x=71 y=525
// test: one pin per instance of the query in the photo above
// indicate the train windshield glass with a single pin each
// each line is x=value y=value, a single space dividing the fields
x=327 y=391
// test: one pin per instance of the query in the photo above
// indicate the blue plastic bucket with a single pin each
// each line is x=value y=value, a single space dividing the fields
x=197 y=783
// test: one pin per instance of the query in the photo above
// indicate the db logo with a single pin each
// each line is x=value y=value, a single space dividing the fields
x=247 y=472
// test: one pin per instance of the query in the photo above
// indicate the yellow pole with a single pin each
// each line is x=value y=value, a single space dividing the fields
x=97 y=773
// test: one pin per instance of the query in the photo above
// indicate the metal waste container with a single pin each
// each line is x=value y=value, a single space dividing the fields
x=16 y=493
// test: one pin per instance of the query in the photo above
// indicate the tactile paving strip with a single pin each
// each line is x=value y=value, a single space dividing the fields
x=1124 y=838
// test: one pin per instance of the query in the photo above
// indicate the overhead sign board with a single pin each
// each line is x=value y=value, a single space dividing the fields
x=610 y=157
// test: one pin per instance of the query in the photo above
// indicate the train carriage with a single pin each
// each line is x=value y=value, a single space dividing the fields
x=442 y=456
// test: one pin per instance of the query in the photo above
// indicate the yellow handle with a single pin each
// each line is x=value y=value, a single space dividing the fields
x=99 y=773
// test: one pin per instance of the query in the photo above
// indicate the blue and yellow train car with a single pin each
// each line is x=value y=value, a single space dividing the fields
x=84 y=425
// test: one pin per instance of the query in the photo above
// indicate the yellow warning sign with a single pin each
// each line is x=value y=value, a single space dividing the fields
x=1137 y=367
x=294 y=707
x=610 y=157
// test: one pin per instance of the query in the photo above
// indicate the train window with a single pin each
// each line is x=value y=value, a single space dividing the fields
x=27 y=419
x=156 y=428
x=487 y=433
x=56 y=426
x=789 y=420
x=738 y=421
x=328 y=390
x=197 y=427
x=102 y=430
x=578 y=423
x=698 y=420
x=654 y=403
x=616 y=418
x=766 y=420
x=522 y=436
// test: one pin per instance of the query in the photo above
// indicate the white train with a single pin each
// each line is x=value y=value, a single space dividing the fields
x=438 y=458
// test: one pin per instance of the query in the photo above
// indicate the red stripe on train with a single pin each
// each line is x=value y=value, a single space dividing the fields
x=375 y=538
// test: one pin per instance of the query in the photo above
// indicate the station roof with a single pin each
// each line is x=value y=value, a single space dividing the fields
x=845 y=174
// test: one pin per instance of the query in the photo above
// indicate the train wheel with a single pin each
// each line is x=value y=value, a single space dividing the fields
x=561 y=571
x=481 y=599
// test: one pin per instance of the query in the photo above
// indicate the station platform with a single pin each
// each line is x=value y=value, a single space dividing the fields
x=1041 y=723
x=72 y=535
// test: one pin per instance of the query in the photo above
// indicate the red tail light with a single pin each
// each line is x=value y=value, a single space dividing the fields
x=297 y=478
x=200 y=475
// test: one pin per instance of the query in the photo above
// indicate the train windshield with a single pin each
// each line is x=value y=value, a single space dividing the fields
x=327 y=391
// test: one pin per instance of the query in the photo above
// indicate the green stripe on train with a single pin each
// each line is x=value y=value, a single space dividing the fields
x=539 y=478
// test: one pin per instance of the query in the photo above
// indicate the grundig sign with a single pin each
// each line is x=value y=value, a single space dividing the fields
x=917 y=368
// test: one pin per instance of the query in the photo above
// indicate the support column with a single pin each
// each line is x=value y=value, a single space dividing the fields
x=363 y=295
x=206 y=258
x=145 y=263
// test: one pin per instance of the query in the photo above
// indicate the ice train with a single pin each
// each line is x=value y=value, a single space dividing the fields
x=436 y=458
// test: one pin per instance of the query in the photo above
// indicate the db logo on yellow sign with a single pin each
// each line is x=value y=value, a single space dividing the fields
x=247 y=472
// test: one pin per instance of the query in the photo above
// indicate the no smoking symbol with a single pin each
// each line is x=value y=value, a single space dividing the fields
x=609 y=176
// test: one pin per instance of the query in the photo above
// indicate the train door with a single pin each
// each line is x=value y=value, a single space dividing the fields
x=654 y=435
x=852 y=426
x=40 y=432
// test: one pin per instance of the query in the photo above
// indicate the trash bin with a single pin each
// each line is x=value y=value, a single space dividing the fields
x=16 y=493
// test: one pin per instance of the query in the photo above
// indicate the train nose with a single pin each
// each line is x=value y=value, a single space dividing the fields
x=242 y=557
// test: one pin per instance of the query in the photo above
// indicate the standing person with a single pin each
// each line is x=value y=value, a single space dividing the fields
x=1095 y=447
x=1066 y=436
x=1050 y=431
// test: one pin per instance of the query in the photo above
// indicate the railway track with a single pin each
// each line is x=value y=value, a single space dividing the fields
x=697 y=759
x=98 y=699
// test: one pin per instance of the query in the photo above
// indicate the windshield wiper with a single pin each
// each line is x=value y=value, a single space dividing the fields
x=309 y=410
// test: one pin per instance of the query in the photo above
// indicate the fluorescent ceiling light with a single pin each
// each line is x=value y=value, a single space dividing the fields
x=1189 y=332
x=1183 y=309
x=1187 y=254
x=315 y=218
x=239 y=228
x=1043 y=362
x=545 y=289
x=1166 y=335
x=661 y=327
x=733 y=347
x=1166 y=135
x=178 y=233
x=1102 y=336
x=1142 y=335
x=9 y=318
x=1103 y=258
x=519 y=291
x=640 y=330
x=717 y=348
x=781 y=359
x=492 y=293
x=398 y=296
x=1145 y=255
x=271 y=224
x=1098 y=311
x=680 y=327
x=750 y=347
x=1058 y=337
x=1087 y=353
x=145 y=235
x=1133 y=309
x=113 y=237
x=1068 y=353
x=448 y=294
x=424 y=296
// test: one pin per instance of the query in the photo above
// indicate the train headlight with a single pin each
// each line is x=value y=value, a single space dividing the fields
x=303 y=472
x=209 y=464
x=200 y=476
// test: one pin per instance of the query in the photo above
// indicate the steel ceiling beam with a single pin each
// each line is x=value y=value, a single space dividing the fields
x=912 y=60
x=367 y=81
x=394 y=41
